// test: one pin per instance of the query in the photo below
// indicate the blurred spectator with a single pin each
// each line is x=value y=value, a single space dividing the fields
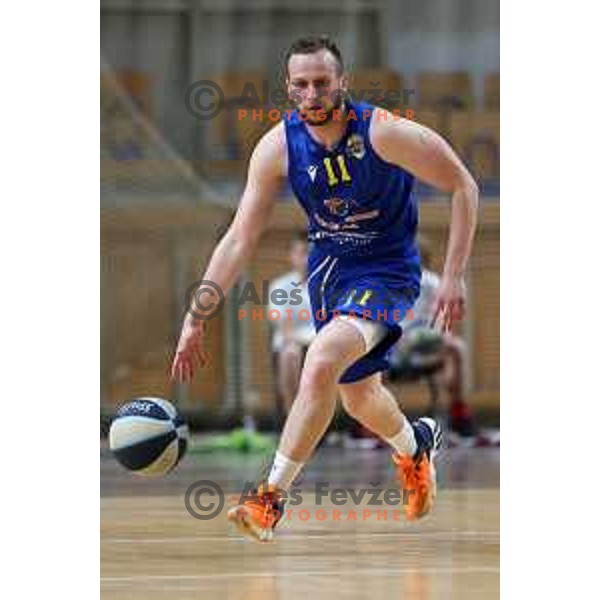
x=125 y=139
x=120 y=133
x=423 y=351
x=291 y=336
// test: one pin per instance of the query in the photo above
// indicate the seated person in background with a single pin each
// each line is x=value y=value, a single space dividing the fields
x=422 y=349
x=291 y=337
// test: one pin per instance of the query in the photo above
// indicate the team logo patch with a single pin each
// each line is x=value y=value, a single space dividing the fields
x=355 y=146
x=339 y=207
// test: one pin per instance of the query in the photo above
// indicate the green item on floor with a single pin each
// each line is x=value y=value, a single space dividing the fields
x=239 y=440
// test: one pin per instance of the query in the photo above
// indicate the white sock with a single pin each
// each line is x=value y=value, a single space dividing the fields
x=404 y=442
x=283 y=472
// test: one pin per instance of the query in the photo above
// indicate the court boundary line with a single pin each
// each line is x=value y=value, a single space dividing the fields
x=307 y=573
x=445 y=535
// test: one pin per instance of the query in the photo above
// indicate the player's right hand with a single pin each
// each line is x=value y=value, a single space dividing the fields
x=190 y=351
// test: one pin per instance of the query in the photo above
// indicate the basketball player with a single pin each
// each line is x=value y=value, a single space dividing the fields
x=352 y=167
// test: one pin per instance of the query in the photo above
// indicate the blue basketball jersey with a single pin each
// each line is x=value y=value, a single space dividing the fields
x=362 y=224
x=357 y=203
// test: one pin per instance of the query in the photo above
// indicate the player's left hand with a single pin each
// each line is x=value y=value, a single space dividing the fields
x=449 y=303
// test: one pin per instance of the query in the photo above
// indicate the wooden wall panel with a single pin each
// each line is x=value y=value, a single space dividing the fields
x=148 y=258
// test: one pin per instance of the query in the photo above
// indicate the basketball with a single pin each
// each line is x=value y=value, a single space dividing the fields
x=148 y=436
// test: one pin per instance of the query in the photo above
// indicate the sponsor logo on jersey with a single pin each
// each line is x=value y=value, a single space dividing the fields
x=340 y=207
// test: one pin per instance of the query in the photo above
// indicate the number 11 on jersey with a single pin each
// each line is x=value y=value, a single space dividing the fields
x=332 y=178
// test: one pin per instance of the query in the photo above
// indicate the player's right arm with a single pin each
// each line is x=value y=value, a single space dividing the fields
x=266 y=171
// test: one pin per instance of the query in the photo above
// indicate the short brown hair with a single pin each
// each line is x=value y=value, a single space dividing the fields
x=311 y=44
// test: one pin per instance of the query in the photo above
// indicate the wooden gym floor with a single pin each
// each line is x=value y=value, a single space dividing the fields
x=152 y=548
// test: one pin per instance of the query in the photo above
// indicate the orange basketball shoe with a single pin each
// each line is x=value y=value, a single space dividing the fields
x=258 y=514
x=416 y=474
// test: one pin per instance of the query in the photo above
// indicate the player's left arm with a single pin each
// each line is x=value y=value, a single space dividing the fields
x=429 y=157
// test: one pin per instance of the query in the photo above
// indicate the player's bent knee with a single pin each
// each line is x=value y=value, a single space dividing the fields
x=320 y=371
x=339 y=337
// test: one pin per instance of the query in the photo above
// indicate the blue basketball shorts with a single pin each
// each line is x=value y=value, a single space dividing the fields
x=379 y=289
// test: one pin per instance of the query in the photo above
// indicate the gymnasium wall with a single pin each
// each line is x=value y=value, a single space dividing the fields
x=149 y=257
x=170 y=181
x=180 y=42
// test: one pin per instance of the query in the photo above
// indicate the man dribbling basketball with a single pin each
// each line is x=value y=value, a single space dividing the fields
x=352 y=168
